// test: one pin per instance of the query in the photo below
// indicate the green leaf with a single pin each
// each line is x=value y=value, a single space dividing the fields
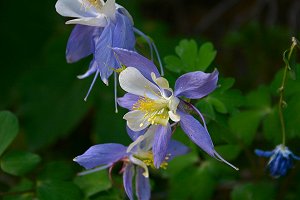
x=271 y=126
x=227 y=101
x=260 y=98
x=66 y=171
x=192 y=183
x=218 y=104
x=179 y=163
x=228 y=151
x=291 y=116
x=257 y=191
x=225 y=83
x=54 y=190
x=224 y=99
x=19 y=163
x=173 y=63
x=245 y=124
x=206 y=55
x=187 y=51
x=206 y=108
x=9 y=128
x=93 y=183
x=23 y=186
x=190 y=58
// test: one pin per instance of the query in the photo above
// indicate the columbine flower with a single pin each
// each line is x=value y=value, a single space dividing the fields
x=153 y=103
x=281 y=160
x=100 y=26
x=136 y=158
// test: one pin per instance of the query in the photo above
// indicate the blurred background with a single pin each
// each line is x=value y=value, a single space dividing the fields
x=42 y=90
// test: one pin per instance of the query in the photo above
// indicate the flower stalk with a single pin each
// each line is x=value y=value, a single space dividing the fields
x=282 y=103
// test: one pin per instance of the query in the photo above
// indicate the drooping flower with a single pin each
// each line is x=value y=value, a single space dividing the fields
x=281 y=160
x=136 y=158
x=153 y=103
x=100 y=26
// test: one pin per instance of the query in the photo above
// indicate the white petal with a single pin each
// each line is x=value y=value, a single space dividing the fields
x=135 y=120
x=141 y=164
x=174 y=117
x=74 y=8
x=109 y=9
x=100 y=21
x=136 y=142
x=173 y=103
x=161 y=82
x=132 y=81
x=148 y=138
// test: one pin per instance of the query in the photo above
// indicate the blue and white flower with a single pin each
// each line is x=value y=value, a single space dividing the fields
x=281 y=160
x=152 y=103
x=99 y=27
x=136 y=158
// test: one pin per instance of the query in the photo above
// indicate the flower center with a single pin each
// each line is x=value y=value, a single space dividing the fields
x=156 y=111
x=148 y=159
x=98 y=4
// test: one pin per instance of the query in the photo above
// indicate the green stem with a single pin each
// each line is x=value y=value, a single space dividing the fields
x=282 y=103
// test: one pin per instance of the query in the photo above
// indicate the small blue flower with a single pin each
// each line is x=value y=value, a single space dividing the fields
x=281 y=160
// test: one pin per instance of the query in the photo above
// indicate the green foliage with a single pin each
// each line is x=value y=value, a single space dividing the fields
x=223 y=100
x=8 y=129
x=192 y=183
x=254 y=191
x=23 y=185
x=271 y=127
x=49 y=172
x=244 y=125
x=229 y=151
x=45 y=123
x=93 y=183
x=53 y=190
x=19 y=162
x=189 y=58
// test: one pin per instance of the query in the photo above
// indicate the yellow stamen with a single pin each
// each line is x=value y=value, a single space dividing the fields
x=156 y=111
x=148 y=159
x=98 y=4
x=119 y=70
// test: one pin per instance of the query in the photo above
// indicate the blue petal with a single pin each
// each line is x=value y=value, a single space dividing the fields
x=160 y=144
x=133 y=59
x=176 y=148
x=128 y=100
x=195 y=85
x=143 y=191
x=261 y=153
x=101 y=154
x=278 y=166
x=81 y=43
x=123 y=33
x=295 y=157
x=196 y=132
x=134 y=134
x=92 y=69
x=103 y=53
x=127 y=180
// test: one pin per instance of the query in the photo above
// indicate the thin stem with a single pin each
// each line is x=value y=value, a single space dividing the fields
x=116 y=91
x=152 y=46
x=282 y=103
